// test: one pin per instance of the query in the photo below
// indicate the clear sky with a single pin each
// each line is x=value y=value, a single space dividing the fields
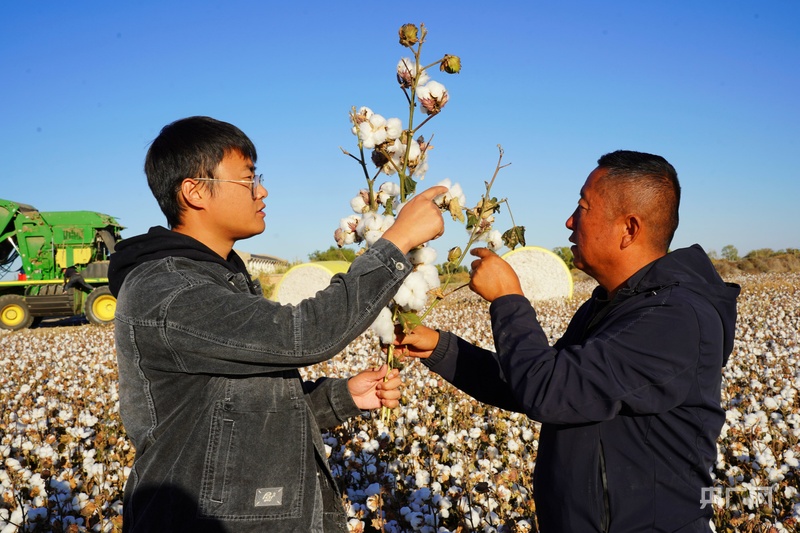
x=712 y=86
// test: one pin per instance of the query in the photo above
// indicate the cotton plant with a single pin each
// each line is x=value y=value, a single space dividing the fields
x=393 y=158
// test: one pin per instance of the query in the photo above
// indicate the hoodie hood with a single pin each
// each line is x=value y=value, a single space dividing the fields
x=693 y=270
x=160 y=243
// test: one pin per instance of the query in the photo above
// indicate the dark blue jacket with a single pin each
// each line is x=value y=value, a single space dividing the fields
x=629 y=397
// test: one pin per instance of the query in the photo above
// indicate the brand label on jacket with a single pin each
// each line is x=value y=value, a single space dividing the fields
x=269 y=497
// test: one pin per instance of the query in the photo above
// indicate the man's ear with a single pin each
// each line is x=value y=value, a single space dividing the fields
x=193 y=193
x=631 y=231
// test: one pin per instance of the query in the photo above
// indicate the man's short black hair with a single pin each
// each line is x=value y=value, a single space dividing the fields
x=646 y=184
x=190 y=148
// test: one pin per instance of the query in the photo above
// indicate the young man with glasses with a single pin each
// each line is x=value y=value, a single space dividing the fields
x=227 y=434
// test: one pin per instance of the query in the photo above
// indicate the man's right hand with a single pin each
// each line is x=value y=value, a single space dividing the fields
x=491 y=276
x=418 y=222
x=419 y=342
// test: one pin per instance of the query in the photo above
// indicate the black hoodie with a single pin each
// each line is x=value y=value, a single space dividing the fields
x=159 y=243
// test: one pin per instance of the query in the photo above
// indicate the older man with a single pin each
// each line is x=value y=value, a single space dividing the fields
x=629 y=397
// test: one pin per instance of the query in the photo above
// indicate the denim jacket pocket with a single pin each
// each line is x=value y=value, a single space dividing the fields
x=237 y=485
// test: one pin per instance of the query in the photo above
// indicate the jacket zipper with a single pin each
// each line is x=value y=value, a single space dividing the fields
x=605 y=519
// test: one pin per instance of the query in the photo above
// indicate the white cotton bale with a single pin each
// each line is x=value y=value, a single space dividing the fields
x=305 y=280
x=542 y=274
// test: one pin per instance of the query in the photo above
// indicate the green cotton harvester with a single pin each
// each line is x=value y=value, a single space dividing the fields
x=64 y=265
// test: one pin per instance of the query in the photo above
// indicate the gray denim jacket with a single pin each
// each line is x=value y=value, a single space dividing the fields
x=227 y=435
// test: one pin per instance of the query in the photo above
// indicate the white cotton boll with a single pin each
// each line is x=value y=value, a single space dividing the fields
x=444 y=183
x=393 y=128
x=348 y=226
x=423 y=91
x=435 y=89
x=366 y=136
x=430 y=274
x=371 y=237
x=355 y=525
x=407 y=69
x=378 y=124
x=494 y=240
x=377 y=121
x=391 y=188
x=403 y=296
x=388 y=190
x=790 y=459
x=413 y=293
x=424 y=255
x=387 y=222
x=421 y=170
x=383 y=326
x=770 y=403
x=414 y=152
x=370 y=227
x=359 y=205
x=456 y=192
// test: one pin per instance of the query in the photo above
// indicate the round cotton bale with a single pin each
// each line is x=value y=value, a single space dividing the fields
x=542 y=274
x=305 y=280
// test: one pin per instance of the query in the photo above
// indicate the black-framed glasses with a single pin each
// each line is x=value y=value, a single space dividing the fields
x=254 y=182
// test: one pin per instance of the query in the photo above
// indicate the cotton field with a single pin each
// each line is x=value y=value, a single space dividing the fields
x=443 y=463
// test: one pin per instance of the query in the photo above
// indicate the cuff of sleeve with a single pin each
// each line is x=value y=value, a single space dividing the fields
x=508 y=299
x=445 y=339
x=342 y=401
x=391 y=256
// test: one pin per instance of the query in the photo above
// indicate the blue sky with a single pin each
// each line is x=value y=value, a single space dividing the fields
x=712 y=86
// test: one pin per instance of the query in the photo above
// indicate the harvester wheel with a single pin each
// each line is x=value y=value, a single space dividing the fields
x=14 y=312
x=100 y=306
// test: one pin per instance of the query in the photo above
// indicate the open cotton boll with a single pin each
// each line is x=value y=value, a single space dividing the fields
x=407 y=70
x=359 y=205
x=430 y=274
x=456 y=192
x=369 y=222
x=393 y=128
x=372 y=131
x=373 y=226
x=422 y=256
x=383 y=326
x=413 y=293
x=445 y=183
x=348 y=227
x=494 y=240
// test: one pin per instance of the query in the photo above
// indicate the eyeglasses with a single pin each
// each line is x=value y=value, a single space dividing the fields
x=253 y=183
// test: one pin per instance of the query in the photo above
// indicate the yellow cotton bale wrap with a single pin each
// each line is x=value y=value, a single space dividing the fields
x=305 y=280
x=542 y=274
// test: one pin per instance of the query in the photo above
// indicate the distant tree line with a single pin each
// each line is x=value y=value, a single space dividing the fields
x=727 y=262
x=761 y=260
